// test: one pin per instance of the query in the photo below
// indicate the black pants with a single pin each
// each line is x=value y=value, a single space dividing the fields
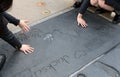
x=113 y=3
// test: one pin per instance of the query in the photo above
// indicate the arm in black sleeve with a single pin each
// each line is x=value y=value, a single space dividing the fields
x=11 y=39
x=7 y=35
x=85 y=4
x=10 y=18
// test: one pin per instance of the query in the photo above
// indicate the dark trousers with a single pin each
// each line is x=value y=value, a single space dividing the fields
x=113 y=3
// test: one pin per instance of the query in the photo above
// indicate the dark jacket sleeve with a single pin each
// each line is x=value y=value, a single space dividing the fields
x=10 y=18
x=7 y=35
x=85 y=4
x=11 y=39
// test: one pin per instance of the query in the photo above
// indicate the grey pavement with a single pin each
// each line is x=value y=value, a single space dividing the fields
x=62 y=49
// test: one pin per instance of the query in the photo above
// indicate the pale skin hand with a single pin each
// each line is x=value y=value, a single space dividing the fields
x=24 y=26
x=81 y=21
x=25 y=48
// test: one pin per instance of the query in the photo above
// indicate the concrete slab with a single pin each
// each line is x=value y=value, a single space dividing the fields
x=61 y=47
x=107 y=66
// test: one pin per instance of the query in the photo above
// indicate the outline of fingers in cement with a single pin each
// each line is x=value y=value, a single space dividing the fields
x=110 y=70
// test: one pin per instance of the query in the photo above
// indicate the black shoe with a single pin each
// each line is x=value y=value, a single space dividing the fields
x=116 y=19
x=77 y=4
x=101 y=11
x=2 y=60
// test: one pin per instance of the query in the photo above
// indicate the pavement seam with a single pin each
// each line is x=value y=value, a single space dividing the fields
x=94 y=60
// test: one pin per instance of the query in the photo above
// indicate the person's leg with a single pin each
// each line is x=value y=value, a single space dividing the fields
x=111 y=8
x=102 y=4
x=114 y=3
x=98 y=10
x=2 y=61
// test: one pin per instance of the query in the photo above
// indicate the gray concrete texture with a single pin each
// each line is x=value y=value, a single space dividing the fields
x=62 y=48
x=107 y=66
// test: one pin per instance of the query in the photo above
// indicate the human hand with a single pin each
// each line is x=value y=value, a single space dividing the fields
x=81 y=21
x=24 y=26
x=26 y=49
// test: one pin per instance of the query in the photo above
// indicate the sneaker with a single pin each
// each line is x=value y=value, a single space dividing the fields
x=2 y=60
x=116 y=19
x=77 y=4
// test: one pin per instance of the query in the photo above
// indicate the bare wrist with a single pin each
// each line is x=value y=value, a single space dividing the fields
x=79 y=15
